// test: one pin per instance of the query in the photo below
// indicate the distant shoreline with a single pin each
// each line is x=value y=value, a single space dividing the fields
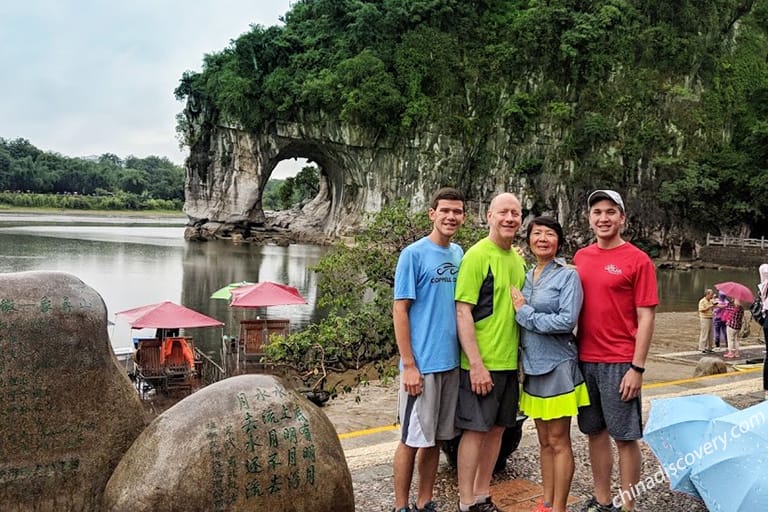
x=93 y=213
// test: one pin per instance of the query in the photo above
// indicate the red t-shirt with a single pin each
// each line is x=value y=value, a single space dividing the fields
x=615 y=281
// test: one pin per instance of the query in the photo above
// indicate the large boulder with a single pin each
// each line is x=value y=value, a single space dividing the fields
x=68 y=411
x=244 y=443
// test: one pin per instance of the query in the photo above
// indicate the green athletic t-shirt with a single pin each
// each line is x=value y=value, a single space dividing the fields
x=485 y=275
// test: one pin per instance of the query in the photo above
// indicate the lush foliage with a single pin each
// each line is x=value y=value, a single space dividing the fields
x=104 y=183
x=118 y=201
x=284 y=194
x=664 y=98
x=355 y=289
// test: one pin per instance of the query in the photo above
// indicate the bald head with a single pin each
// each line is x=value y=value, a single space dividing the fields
x=504 y=218
x=503 y=198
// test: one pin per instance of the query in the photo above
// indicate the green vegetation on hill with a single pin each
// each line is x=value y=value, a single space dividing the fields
x=668 y=98
x=34 y=178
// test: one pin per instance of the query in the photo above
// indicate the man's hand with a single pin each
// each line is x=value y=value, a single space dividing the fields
x=413 y=380
x=630 y=385
x=480 y=379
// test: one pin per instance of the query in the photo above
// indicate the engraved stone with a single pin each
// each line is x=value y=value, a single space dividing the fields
x=68 y=412
x=244 y=443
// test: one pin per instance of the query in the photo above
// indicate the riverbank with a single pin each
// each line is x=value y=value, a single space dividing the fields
x=93 y=213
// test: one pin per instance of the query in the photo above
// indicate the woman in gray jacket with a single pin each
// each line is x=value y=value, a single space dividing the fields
x=547 y=309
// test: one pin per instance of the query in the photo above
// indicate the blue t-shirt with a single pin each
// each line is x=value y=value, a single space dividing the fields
x=426 y=274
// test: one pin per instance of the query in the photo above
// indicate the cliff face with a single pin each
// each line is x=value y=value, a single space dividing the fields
x=663 y=102
x=229 y=167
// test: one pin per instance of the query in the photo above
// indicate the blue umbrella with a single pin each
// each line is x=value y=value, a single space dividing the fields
x=675 y=431
x=734 y=476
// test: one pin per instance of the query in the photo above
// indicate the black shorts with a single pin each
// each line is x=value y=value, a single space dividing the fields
x=499 y=407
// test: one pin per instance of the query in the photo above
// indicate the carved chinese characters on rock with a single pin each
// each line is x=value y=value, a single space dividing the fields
x=281 y=462
x=60 y=391
x=255 y=444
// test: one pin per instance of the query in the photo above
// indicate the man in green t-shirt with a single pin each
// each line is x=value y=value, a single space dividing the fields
x=488 y=333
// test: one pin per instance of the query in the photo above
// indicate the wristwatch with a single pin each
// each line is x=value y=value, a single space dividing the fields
x=638 y=369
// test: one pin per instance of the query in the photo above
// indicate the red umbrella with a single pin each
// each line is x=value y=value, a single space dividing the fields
x=264 y=294
x=166 y=315
x=736 y=290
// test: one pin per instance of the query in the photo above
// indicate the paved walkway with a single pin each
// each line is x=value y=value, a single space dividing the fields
x=369 y=451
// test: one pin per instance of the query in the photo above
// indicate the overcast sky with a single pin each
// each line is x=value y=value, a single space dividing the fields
x=87 y=77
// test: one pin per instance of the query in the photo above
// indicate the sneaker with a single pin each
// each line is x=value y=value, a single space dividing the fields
x=402 y=509
x=429 y=506
x=541 y=507
x=729 y=355
x=486 y=506
x=594 y=506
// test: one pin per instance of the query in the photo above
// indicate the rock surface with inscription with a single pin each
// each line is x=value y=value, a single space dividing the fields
x=68 y=413
x=244 y=443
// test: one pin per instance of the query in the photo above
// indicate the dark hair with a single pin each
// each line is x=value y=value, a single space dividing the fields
x=451 y=194
x=547 y=222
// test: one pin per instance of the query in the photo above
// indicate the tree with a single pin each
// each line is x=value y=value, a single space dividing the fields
x=355 y=289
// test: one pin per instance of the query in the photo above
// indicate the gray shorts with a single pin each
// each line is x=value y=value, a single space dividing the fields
x=428 y=417
x=499 y=407
x=607 y=410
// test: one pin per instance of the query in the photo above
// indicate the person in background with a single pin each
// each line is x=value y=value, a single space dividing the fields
x=706 y=307
x=547 y=309
x=614 y=336
x=763 y=288
x=734 y=317
x=718 y=323
x=424 y=317
x=489 y=337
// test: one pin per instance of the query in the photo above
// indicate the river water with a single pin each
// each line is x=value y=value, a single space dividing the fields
x=133 y=262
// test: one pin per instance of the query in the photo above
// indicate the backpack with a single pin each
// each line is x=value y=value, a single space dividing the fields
x=757 y=310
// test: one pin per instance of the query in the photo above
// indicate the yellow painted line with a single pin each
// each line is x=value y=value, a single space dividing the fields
x=367 y=431
x=696 y=379
x=389 y=428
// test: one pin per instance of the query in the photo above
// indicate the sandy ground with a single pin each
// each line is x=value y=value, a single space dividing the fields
x=374 y=405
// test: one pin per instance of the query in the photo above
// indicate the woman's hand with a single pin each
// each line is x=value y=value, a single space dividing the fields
x=517 y=298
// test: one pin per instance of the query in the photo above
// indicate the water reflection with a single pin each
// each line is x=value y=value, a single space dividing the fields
x=680 y=290
x=131 y=266
x=143 y=261
x=212 y=265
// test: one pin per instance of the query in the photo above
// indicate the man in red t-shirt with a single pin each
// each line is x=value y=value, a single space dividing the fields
x=614 y=334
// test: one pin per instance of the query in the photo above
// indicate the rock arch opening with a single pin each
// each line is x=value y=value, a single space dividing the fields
x=303 y=199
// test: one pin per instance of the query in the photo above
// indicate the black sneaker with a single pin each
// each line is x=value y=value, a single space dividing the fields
x=429 y=506
x=594 y=506
x=486 y=506
x=403 y=509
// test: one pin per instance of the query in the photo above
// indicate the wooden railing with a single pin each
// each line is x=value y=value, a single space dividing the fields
x=207 y=369
x=734 y=241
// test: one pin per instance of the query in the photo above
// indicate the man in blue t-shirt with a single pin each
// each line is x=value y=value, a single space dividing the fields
x=424 y=316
